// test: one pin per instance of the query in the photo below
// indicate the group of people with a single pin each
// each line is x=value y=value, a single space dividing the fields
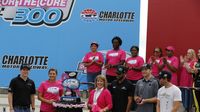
x=131 y=82
x=21 y=92
x=119 y=95
x=185 y=66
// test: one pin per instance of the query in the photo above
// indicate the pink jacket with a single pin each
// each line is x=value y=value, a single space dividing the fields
x=104 y=99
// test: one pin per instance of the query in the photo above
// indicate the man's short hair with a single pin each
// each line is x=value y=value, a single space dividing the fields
x=25 y=66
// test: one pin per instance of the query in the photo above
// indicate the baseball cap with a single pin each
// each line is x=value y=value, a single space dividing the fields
x=121 y=70
x=165 y=74
x=146 y=66
x=170 y=48
x=94 y=43
x=25 y=66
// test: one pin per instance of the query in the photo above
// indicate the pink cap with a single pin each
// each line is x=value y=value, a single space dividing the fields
x=170 y=48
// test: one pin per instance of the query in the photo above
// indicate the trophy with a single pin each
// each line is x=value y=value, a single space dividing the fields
x=70 y=101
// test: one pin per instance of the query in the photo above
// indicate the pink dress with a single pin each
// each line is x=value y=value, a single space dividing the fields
x=50 y=90
x=113 y=57
x=134 y=62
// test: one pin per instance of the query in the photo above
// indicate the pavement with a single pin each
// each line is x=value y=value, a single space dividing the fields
x=5 y=108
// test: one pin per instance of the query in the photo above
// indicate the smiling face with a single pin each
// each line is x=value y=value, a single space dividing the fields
x=134 y=52
x=146 y=72
x=100 y=83
x=93 y=47
x=189 y=54
x=52 y=75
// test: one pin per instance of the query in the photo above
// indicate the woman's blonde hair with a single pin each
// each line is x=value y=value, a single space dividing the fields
x=102 y=77
x=192 y=51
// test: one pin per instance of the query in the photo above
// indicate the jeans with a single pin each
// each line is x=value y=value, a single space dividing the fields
x=91 y=78
x=21 y=109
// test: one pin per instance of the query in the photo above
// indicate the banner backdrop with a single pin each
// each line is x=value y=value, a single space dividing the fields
x=58 y=33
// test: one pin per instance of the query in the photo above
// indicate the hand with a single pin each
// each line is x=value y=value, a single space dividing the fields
x=108 y=66
x=129 y=68
x=89 y=106
x=164 y=60
x=103 y=110
x=186 y=59
x=12 y=110
x=33 y=110
x=138 y=100
x=181 y=59
x=141 y=102
x=153 y=58
x=51 y=101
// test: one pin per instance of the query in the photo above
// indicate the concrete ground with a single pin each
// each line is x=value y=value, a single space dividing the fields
x=4 y=104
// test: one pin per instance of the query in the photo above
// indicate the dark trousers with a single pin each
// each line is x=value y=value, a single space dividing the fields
x=134 y=105
x=21 y=109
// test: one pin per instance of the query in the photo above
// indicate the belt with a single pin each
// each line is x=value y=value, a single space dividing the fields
x=22 y=107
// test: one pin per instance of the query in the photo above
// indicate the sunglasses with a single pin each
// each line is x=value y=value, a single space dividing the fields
x=156 y=51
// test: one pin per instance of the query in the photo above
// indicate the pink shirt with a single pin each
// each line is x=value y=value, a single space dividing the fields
x=134 y=62
x=174 y=62
x=186 y=79
x=113 y=57
x=154 y=69
x=89 y=57
x=104 y=99
x=50 y=90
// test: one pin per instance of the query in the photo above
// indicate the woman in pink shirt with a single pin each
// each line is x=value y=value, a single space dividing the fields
x=154 y=60
x=134 y=65
x=186 y=80
x=100 y=99
x=49 y=91
x=114 y=57
x=93 y=61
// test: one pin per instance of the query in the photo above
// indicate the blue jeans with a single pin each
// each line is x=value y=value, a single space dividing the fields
x=187 y=98
x=91 y=78
x=21 y=109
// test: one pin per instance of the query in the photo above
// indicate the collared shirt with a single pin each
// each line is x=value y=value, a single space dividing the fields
x=120 y=93
x=146 y=89
x=22 y=91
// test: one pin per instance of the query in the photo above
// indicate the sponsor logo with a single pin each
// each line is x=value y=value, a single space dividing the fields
x=89 y=15
x=116 y=16
x=53 y=90
x=50 y=13
x=107 y=16
x=14 y=61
